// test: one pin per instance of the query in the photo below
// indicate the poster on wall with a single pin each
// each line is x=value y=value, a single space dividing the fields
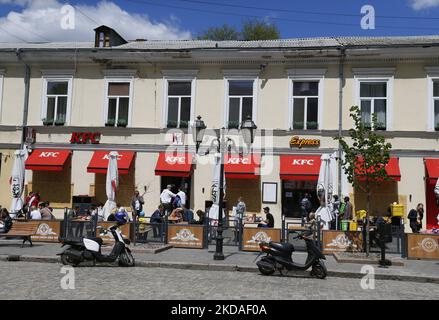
x=269 y=192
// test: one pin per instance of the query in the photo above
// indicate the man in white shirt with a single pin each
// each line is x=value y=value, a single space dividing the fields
x=166 y=198
x=182 y=196
x=35 y=214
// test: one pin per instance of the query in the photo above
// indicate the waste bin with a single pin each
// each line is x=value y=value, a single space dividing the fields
x=345 y=225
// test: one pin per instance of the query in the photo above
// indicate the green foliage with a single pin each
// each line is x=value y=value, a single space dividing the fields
x=222 y=33
x=251 y=30
x=259 y=30
x=368 y=154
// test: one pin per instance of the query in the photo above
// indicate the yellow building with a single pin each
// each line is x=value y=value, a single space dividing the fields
x=81 y=100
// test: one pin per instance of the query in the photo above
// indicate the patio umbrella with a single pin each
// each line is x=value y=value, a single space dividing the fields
x=17 y=180
x=215 y=190
x=325 y=184
x=111 y=184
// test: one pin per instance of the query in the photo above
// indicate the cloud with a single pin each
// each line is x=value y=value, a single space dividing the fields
x=41 y=20
x=423 y=4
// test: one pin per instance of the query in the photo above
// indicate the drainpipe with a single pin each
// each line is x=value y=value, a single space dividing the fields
x=26 y=97
x=341 y=77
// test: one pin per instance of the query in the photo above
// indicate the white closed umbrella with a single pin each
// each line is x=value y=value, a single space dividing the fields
x=111 y=184
x=324 y=189
x=17 y=180
x=215 y=190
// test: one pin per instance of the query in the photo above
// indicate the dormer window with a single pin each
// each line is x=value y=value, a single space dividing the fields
x=106 y=37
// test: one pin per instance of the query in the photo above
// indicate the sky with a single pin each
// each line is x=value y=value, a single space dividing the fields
x=51 y=20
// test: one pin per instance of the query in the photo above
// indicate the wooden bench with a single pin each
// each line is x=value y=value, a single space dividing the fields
x=21 y=230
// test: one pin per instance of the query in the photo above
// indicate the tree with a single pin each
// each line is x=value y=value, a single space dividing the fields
x=222 y=33
x=366 y=159
x=259 y=30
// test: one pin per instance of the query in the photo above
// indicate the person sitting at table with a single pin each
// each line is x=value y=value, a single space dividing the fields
x=176 y=215
x=188 y=214
x=156 y=219
x=5 y=221
x=35 y=213
x=269 y=219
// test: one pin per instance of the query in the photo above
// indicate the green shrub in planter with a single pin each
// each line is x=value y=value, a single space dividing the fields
x=47 y=122
x=311 y=125
x=122 y=123
x=184 y=124
x=298 y=125
x=437 y=127
x=172 y=124
x=110 y=123
x=380 y=126
x=233 y=124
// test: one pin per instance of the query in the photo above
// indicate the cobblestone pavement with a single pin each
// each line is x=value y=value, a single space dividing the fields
x=29 y=280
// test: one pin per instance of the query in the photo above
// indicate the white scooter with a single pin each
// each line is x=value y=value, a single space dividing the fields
x=89 y=249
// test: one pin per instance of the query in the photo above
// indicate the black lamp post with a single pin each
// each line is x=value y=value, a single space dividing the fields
x=248 y=128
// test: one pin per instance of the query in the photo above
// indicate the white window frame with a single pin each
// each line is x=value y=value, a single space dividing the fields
x=178 y=76
x=126 y=79
x=2 y=73
x=376 y=75
x=245 y=75
x=432 y=75
x=57 y=76
x=305 y=75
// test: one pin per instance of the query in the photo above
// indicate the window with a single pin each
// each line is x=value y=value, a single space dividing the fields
x=179 y=104
x=1 y=91
x=373 y=99
x=240 y=102
x=305 y=105
x=118 y=103
x=436 y=104
x=56 y=100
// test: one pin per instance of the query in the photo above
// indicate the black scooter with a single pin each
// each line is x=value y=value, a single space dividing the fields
x=279 y=257
x=89 y=249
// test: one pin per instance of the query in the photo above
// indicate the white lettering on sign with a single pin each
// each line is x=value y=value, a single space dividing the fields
x=174 y=160
x=302 y=162
x=106 y=157
x=238 y=161
x=49 y=155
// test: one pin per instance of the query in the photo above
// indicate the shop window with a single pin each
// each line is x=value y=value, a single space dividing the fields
x=118 y=104
x=248 y=189
x=305 y=105
x=179 y=104
x=373 y=99
x=240 y=102
x=56 y=102
x=383 y=194
x=436 y=104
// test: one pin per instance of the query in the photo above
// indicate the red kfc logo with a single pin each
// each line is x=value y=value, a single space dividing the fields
x=49 y=155
x=302 y=162
x=85 y=137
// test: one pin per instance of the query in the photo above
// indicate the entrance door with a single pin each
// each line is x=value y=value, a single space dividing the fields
x=183 y=182
x=293 y=192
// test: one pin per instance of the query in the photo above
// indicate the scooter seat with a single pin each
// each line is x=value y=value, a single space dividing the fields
x=284 y=247
x=96 y=239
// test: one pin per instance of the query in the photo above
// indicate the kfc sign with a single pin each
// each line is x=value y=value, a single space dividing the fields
x=238 y=161
x=303 y=162
x=85 y=137
x=51 y=154
x=175 y=160
x=107 y=157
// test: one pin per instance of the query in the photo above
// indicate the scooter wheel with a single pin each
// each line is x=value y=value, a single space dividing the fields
x=126 y=259
x=265 y=268
x=67 y=261
x=319 y=271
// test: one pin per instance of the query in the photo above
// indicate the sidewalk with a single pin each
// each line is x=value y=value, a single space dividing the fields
x=235 y=260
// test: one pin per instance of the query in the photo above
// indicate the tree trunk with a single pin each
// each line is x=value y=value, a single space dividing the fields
x=368 y=221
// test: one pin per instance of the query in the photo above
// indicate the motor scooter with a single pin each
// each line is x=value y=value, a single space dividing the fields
x=279 y=257
x=89 y=249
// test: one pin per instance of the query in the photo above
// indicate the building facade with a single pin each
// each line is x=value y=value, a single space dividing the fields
x=74 y=102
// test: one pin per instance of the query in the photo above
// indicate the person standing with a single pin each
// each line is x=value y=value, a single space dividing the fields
x=156 y=220
x=335 y=211
x=182 y=196
x=420 y=209
x=414 y=216
x=137 y=203
x=166 y=199
x=241 y=208
x=305 y=208
x=347 y=215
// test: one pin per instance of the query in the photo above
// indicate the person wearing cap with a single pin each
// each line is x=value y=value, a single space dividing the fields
x=269 y=219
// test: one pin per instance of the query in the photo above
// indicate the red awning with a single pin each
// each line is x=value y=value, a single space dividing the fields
x=432 y=166
x=47 y=160
x=299 y=167
x=174 y=165
x=99 y=162
x=392 y=169
x=242 y=167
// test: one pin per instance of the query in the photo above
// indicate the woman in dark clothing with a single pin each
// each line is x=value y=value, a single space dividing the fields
x=415 y=217
x=5 y=221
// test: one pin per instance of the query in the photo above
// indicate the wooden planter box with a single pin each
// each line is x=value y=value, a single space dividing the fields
x=422 y=246
x=186 y=236
x=108 y=238
x=251 y=237
x=47 y=230
x=342 y=241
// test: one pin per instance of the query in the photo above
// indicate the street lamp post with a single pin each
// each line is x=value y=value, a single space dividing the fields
x=247 y=128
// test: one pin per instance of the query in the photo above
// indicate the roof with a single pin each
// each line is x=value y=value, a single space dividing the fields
x=299 y=43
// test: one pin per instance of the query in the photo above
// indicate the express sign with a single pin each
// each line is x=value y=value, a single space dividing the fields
x=85 y=137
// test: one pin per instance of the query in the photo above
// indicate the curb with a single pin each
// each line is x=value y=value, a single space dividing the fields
x=229 y=268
